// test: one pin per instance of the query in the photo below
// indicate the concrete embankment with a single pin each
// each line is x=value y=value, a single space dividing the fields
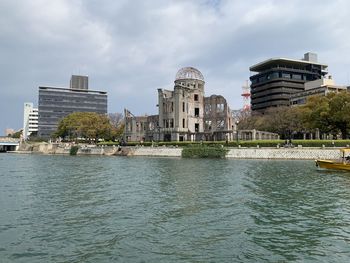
x=233 y=153
x=64 y=148
x=284 y=153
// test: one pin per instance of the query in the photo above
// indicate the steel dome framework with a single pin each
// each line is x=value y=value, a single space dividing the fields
x=189 y=73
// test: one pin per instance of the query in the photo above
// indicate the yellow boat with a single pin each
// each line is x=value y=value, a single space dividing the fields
x=342 y=164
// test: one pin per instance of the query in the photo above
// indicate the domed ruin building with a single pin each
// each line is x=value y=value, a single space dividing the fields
x=185 y=114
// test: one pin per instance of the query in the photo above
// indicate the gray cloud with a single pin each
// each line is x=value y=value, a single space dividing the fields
x=131 y=48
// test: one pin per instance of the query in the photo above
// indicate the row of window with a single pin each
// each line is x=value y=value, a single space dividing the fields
x=168 y=123
x=220 y=107
x=220 y=124
x=276 y=75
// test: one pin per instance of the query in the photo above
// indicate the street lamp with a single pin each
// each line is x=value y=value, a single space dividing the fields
x=237 y=122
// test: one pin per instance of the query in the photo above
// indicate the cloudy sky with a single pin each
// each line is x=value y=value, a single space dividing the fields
x=132 y=48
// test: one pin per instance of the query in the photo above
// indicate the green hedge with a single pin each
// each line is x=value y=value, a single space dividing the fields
x=73 y=150
x=295 y=143
x=204 y=151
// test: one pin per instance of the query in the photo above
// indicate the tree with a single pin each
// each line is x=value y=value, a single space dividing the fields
x=339 y=105
x=329 y=113
x=89 y=126
x=117 y=120
x=316 y=114
x=281 y=120
x=16 y=135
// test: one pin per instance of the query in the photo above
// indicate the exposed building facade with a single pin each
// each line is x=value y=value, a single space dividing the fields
x=276 y=79
x=56 y=103
x=185 y=114
x=141 y=128
x=30 y=120
x=218 y=120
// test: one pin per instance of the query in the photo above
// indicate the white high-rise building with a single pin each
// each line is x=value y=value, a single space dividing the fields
x=30 y=120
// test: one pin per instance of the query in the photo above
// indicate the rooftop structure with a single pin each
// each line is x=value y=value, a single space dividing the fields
x=79 y=82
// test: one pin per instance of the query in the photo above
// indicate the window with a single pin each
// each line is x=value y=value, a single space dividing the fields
x=220 y=124
x=183 y=107
x=220 y=107
x=171 y=123
x=296 y=76
x=275 y=75
x=195 y=97
x=208 y=125
x=196 y=127
x=286 y=75
x=196 y=112
x=172 y=107
x=207 y=109
x=183 y=123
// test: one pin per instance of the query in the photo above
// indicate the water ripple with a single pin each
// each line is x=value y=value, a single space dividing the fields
x=106 y=209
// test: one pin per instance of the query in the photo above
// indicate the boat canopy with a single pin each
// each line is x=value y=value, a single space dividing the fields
x=345 y=150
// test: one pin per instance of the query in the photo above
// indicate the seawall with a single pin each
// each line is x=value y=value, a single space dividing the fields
x=284 y=153
x=233 y=153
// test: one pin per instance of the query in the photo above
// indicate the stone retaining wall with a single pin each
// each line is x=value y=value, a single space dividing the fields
x=157 y=151
x=235 y=153
x=284 y=153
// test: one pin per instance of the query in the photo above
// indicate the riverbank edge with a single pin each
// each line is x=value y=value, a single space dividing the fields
x=297 y=153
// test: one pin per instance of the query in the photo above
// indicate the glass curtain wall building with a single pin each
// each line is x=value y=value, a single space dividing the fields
x=278 y=78
x=56 y=103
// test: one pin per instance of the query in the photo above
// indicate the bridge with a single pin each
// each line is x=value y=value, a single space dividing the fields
x=8 y=144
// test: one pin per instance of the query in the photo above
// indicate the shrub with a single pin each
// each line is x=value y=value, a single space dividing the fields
x=204 y=151
x=73 y=150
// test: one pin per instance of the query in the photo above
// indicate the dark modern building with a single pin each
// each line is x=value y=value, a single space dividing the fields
x=56 y=103
x=278 y=78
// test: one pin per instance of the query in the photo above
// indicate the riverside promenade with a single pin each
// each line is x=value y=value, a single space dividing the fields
x=297 y=153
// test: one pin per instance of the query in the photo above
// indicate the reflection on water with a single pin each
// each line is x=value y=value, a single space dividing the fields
x=105 y=209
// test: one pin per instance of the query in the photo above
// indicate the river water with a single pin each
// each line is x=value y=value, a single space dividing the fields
x=120 y=209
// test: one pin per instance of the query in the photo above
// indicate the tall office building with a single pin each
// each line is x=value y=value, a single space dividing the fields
x=30 y=120
x=56 y=103
x=278 y=78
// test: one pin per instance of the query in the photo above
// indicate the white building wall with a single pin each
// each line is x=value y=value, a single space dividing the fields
x=30 y=120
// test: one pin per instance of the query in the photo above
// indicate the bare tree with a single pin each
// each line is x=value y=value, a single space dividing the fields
x=116 y=119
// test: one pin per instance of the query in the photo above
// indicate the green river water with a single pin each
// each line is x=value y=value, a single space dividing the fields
x=120 y=209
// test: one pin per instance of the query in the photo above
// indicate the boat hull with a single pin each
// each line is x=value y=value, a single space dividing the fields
x=333 y=165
